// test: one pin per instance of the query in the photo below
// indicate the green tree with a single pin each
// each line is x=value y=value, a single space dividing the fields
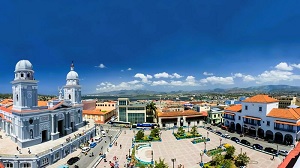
x=154 y=132
x=242 y=160
x=139 y=135
x=194 y=130
x=151 y=109
x=218 y=160
x=229 y=152
x=160 y=164
x=180 y=131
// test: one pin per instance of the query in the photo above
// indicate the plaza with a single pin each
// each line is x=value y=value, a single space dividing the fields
x=184 y=152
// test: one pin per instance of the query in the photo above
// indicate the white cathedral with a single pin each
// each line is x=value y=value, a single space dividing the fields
x=29 y=124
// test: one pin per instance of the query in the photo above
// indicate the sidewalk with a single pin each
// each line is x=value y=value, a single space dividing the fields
x=64 y=160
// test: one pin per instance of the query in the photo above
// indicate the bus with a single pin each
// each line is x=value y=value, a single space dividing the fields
x=120 y=124
x=146 y=125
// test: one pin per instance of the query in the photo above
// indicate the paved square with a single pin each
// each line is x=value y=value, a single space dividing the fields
x=185 y=152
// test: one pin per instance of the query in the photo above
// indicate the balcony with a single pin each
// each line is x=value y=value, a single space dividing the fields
x=229 y=118
x=285 y=129
x=252 y=123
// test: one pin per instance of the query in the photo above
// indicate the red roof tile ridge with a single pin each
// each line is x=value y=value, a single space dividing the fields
x=294 y=113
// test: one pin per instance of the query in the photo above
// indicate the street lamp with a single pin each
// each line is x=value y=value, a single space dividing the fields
x=201 y=163
x=129 y=152
x=241 y=150
x=220 y=141
x=173 y=129
x=173 y=160
x=207 y=135
x=277 y=151
x=152 y=157
x=204 y=147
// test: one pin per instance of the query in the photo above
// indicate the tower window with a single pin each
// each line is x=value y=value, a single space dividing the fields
x=22 y=75
x=17 y=97
x=28 y=75
x=69 y=96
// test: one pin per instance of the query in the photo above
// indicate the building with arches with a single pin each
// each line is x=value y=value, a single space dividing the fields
x=28 y=122
x=260 y=116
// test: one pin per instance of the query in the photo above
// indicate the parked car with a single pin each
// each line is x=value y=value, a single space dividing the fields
x=219 y=125
x=219 y=133
x=98 y=139
x=209 y=128
x=235 y=139
x=103 y=133
x=270 y=141
x=85 y=149
x=270 y=150
x=245 y=142
x=231 y=130
x=224 y=127
x=257 y=146
x=93 y=144
x=72 y=160
x=226 y=136
x=283 y=152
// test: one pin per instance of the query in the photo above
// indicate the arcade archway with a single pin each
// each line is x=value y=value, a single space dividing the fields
x=269 y=135
x=238 y=128
x=288 y=139
x=260 y=133
x=278 y=137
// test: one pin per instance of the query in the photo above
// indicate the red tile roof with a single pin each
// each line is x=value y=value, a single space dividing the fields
x=181 y=113
x=292 y=113
x=234 y=108
x=260 y=99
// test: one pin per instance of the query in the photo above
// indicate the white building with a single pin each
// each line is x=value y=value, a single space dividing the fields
x=260 y=116
x=29 y=124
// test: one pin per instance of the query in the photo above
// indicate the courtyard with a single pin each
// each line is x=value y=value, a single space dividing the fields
x=183 y=151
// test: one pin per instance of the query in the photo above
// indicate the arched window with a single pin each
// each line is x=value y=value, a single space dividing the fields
x=31 y=134
x=22 y=75
x=69 y=96
x=28 y=75
x=25 y=165
x=17 y=97
x=8 y=165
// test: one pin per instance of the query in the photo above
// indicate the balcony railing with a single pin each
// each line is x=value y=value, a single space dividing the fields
x=285 y=129
x=252 y=123
x=229 y=118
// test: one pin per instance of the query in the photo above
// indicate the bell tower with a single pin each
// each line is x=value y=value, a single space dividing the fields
x=72 y=89
x=24 y=86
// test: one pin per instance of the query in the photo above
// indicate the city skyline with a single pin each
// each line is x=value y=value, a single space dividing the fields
x=159 y=46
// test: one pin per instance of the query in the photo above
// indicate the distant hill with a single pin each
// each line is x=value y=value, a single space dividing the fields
x=253 y=89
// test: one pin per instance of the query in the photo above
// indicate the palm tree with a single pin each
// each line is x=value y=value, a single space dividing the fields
x=160 y=164
x=194 y=130
x=151 y=110
x=229 y=152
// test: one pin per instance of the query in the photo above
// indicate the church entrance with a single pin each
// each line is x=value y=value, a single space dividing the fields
x=44 y=135
x=60 y=126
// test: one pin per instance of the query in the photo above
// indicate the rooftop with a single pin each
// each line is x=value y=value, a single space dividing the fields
x=260 y=99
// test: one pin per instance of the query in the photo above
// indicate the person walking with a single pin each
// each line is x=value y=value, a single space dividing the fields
x=120 y=146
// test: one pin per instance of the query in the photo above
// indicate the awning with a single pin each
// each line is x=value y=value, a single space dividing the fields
x=254 y=118
x=284 y=122
x=229 y=113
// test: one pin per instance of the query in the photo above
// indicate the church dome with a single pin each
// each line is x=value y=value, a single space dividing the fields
x=23 y=65
x=72 y=75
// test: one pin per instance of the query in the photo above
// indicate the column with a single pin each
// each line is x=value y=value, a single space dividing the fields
x=178 y=121
x=53 y=123
x=159 y=122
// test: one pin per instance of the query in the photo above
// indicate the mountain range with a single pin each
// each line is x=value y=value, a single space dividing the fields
x=252 y=89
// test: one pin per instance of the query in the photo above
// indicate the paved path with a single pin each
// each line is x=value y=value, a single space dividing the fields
x=184 y=151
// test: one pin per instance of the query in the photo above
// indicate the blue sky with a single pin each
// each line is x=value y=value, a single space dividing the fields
x=153 y=45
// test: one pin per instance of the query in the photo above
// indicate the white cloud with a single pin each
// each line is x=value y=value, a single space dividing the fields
x=296 y=65
x=284 y=66
x=143 y=77
x=129 y=69
x=274 y=76
x=166 y=75
x=176 y=75
x=101 y=66
x=207 y=74
x=122 y=70
x=107 y=86
x=248 y=78
x=218 y=80
x=134 y=82
x=160 y=82
x=238 y=75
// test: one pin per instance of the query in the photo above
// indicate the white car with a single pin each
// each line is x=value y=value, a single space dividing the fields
x=98 y=139
x=226 y=136
x=85 y=149
x=103 y=133
x=283 y=152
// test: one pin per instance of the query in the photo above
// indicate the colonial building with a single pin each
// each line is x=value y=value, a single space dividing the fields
x=260 y=116
x=92 y=111
x=186 y=118
x=29 y=124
